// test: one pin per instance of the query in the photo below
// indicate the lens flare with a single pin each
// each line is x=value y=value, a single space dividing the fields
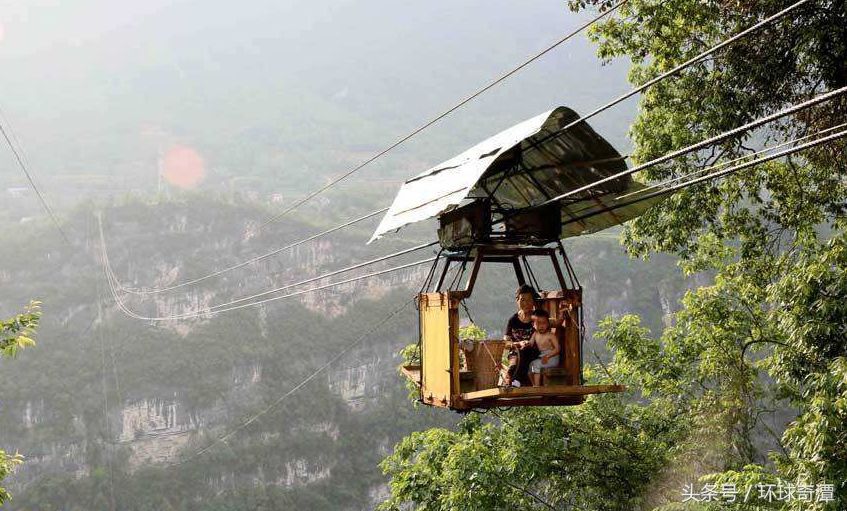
x=182 y=167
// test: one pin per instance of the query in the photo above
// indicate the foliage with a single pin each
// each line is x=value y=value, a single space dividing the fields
x=200 y=361
x=598 y=456
x=7 y=466
x=748 y=378
x=473 y=332
x=16 y=332
x=411 y=355
x=769 y=333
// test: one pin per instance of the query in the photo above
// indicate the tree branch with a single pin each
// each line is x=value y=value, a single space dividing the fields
x=534 y=496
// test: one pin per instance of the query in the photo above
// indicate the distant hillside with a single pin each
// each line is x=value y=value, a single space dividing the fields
x=278 y=97
x=104 y=403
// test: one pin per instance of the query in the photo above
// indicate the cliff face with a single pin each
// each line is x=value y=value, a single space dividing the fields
x=105 y=399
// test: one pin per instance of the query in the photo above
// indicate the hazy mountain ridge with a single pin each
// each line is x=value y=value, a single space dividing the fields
x=171 y=388
x=285 y=95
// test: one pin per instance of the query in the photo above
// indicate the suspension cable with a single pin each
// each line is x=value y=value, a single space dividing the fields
x=764 y=159
x=595 y=112
x=290 y=246
x=717 y=174
x=228 y=307
x=730 y=162
x=680 y=67
x=444 y=114
x=223 y=438
x=231 y=306
x=225 y=307
x=755 y=156
x=302 y=282
x=35 y=188
x=699 y=145
x=665 y=75
x=681 y=151
x=332 y=273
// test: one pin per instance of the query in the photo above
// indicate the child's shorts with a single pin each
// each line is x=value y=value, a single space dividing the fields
x=536 y=365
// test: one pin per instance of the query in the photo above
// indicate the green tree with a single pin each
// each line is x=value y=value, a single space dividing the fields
x=768 y=335
x=15 y=334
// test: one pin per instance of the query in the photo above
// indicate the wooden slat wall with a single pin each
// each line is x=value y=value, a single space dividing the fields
x=568 y=334
x=438 y=351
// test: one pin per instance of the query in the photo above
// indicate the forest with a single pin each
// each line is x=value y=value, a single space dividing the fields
x=722 y=308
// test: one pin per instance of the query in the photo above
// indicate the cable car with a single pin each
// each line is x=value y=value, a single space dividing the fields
x=497 y=203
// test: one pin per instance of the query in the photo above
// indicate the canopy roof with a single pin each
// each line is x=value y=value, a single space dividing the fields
x=525 y=166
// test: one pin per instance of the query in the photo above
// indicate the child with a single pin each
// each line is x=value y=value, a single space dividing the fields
x=546 y=342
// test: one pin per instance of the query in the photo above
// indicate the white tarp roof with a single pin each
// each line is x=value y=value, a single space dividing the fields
x=550 y=161
x=448 y=183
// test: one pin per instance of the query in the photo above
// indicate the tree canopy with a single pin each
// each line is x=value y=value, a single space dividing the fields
x=744 y=394
x=15 y=334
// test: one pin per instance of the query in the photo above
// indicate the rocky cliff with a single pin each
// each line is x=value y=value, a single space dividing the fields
x=107 y=406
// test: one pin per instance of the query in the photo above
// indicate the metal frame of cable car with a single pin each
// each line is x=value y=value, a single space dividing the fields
x=441 y=379
x=511 y=197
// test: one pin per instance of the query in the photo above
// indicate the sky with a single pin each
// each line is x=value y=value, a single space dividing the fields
x=282 y=89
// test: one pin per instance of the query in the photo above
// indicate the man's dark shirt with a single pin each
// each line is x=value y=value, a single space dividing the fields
x=517 y=330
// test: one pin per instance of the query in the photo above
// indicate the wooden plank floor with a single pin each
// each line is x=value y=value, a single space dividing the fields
x=505 y=402
x=550 y=390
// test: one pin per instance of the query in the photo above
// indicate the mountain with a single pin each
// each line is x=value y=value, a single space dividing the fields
x=277 y=97
x=113 y=412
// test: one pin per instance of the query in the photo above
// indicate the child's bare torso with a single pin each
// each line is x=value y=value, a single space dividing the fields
x=545 y=341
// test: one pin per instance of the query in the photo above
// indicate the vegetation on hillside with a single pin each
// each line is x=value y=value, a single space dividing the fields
x=94 y=365
x=16 y=333
x=696 y=430
x=737 y=391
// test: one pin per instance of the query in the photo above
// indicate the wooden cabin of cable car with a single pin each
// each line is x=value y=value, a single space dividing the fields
x=510 y=200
